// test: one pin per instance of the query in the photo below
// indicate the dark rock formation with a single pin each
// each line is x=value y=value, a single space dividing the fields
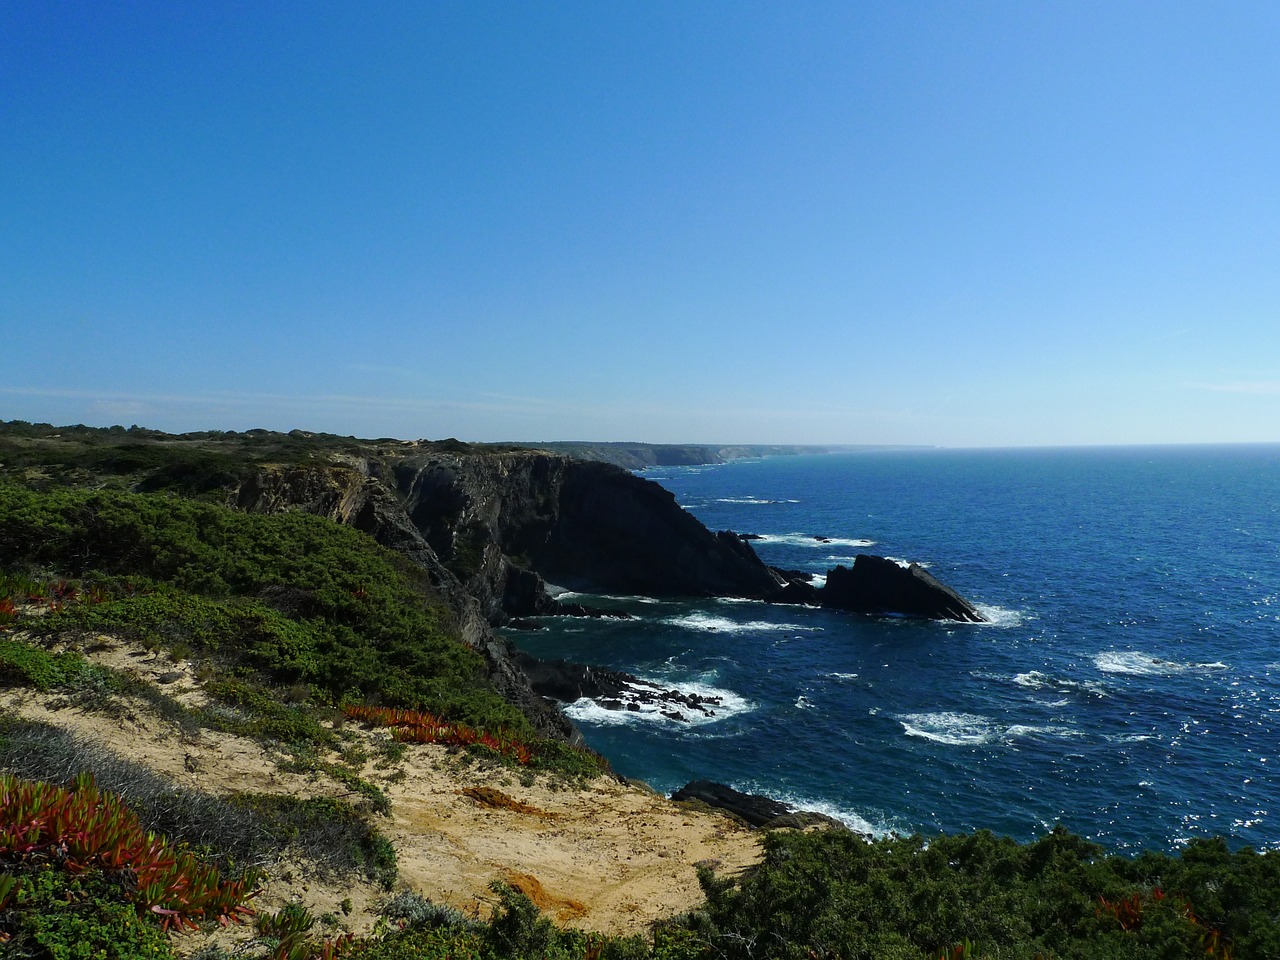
x=349 y=495
x=615 y=532
x=877 y=585
x=760 y=812
x=566 y=681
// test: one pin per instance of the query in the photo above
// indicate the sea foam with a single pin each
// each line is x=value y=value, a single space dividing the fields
x=1136 y=663
x=1036 y=680
x=971 y=730
x=730 y=705
x=954 y=729
x=809 y=540
x=707 y=622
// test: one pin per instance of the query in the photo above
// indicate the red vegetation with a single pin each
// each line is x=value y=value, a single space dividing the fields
x=415 y=727
x=83 y=828
x=1128 y=912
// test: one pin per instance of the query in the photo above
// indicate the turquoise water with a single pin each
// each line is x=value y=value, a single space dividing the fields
x=1128 y=688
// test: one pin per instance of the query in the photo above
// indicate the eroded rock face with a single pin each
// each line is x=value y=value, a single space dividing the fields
x=586 y=526
x=758 y=811
x=351 y=496
x=877 y=585
x=492 y=529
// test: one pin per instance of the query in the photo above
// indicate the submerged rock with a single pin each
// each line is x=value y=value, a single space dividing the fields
x=878 y=585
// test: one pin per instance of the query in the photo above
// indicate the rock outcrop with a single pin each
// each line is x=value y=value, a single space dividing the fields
x=567 y=682
x=877 y=585
x=507 y=524
x=759 y=812
x=350 y=495
x=492 y=528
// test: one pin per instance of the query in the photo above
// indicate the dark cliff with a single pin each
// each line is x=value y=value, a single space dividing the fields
x=505 y=524
x=492 y=528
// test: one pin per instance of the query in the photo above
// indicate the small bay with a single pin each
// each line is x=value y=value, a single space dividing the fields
x=1127 y=687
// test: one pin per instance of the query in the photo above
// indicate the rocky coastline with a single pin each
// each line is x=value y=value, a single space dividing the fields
x=493 y=528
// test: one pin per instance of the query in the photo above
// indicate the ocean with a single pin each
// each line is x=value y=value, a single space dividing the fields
x=1128 y=686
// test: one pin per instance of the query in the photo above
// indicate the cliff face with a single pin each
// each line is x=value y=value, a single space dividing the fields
x=492 y=529
x=615 y=532
x=507 y=523
x=353 y=495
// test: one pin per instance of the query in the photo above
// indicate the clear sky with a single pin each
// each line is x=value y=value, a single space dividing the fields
x=962 y=223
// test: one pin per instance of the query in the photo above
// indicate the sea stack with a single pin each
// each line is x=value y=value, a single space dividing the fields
x=878 y=585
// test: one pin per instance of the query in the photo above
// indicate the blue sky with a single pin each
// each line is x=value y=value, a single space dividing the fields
x=952 y=223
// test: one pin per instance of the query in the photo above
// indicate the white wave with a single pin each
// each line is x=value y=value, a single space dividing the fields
x=1027 y=730
x=955 y=729
x=633 y=710
x=708 y=623
x=804 y=703
x=747 y=500
x=818 y=581
x=1035 y=680
x=968 y=730
x=1136 y=663
x=1000 y=616
x=841 y=676
x=809 y=540
x=850 y=818
x=564 y=594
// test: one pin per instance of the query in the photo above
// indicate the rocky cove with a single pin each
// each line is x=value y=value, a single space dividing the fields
x=494 y=529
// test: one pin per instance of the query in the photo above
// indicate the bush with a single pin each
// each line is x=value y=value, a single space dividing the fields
x=297 y=597
x=78 y=918
x=832 y=894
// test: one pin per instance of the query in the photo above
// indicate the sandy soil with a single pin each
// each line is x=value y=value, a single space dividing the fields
x=610 y=857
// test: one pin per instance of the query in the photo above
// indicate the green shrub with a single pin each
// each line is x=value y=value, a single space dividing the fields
x=327 y=830
x=294 y=596
x=25 y=665
x=832 y=894
x=66 y=917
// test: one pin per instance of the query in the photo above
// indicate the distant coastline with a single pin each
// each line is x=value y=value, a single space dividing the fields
x=641 y=456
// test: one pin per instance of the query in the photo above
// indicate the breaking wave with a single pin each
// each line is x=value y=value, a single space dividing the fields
x=635 y=705
x=809 y=540
x=1136 y=663
x=709 y=623
x=971 y=730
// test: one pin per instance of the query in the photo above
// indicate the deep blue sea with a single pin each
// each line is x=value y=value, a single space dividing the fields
x=1128 y=686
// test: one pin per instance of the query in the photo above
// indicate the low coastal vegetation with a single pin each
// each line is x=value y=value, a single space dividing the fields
x=299 y=630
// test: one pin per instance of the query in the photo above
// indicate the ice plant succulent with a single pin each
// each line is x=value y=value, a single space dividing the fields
x=416 y=727
x=83 y=828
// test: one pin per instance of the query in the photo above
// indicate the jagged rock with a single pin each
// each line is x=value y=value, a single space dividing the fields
x=567 y=681
x=760 y=812
x=755 y=810
x=798 y=591
x=877 y=585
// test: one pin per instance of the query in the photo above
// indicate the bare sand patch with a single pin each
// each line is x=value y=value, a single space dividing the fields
x=609 y=856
